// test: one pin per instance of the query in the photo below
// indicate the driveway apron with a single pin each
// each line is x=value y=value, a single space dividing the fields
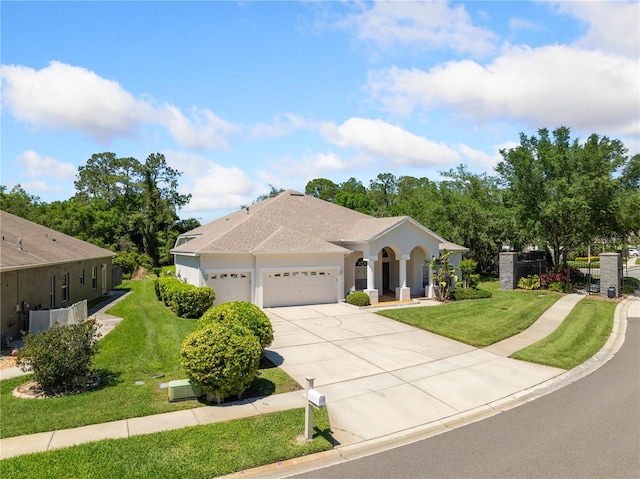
x=382 y=377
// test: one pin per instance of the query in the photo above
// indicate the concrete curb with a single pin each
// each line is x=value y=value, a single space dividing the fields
x=362 y=449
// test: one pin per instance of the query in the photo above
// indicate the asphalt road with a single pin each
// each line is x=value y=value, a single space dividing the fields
x=588 y=429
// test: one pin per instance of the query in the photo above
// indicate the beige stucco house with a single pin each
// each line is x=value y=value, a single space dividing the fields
x=294 y=249
x=41 y=268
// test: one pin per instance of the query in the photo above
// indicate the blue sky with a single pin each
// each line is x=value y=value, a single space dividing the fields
x=242 y=95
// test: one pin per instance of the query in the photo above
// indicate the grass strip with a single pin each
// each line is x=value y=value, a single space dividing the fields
x=479 y=322
x=193 y=452
x=145 y=347
x=582 y=334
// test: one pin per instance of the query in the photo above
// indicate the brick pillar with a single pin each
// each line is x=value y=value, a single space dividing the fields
x=610 y=266
x=508 y=280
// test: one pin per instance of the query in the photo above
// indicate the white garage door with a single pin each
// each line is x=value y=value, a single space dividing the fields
x=292 y=288
x=230 y=286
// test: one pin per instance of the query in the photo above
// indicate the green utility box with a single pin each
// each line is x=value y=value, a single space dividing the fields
x=182 y=389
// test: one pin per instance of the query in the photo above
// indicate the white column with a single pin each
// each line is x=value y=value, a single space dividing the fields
x=371 y=280
x=403 y=293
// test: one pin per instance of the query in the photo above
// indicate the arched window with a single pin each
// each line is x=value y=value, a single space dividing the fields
x=360 y=274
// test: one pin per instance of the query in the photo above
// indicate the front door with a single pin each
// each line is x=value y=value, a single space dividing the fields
x=385 y=277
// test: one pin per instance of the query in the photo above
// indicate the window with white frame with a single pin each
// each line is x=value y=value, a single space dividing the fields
x=94 y=277
x=82 y=277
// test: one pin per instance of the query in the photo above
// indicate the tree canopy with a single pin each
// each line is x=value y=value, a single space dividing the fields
x=120 y=204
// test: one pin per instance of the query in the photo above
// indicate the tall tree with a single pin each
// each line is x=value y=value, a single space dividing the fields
x=322 y=188
x=564 y=192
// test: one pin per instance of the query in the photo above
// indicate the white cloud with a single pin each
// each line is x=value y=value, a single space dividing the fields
x=44 y=166
x=202 y=131
x=46 y=187
x=380 y=139
x=612 y=26
x=62 y=96
x=422 y=25
x=214 y=189
x=545 y=87
x=66 y=97
x=280 y=127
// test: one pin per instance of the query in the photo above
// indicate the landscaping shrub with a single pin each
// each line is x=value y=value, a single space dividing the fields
x=61 y=357
x=243 y=313
x=186 y=300
x=458 y=294
x=358 y=298
x=529 y=282
x=467 y=268
x=222 y=359
x=557 y=286
x=630 y=284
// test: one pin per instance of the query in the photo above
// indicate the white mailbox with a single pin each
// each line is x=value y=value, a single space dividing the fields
x=316 y=398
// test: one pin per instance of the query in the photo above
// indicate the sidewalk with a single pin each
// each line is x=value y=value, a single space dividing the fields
x=353 y=445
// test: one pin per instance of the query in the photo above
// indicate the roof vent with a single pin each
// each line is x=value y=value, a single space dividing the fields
x=20 y=244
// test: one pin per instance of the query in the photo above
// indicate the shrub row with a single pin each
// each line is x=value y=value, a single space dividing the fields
x=186 y=300
x=458 y=294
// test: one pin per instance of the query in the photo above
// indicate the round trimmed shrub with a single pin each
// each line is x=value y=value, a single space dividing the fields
x=243 y=313
x=222 y=359
x=61 y=357
x=358 y=298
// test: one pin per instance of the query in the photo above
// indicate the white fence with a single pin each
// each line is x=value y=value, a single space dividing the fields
x=46 y=318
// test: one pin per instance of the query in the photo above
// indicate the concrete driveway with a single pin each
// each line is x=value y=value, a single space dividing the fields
x=381 y=377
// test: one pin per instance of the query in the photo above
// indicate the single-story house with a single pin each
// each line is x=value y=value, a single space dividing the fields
x=294 y=249
x=41 y=268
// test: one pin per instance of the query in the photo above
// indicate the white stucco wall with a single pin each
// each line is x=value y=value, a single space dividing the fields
x=188 y=269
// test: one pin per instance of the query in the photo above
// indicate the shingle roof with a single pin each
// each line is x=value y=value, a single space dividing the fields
x=286 y=223
x=40 y=245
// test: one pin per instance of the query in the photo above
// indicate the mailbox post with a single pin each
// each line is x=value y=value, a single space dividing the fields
x=314 y=398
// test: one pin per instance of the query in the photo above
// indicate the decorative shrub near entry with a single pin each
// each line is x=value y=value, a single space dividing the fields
x=243 y=313
x=358 y=298
x=222 y=359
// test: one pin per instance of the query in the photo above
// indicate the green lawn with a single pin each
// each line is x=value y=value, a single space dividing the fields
x=480 y=322
x=144 y=347
x=194 y=452
x=581 y=335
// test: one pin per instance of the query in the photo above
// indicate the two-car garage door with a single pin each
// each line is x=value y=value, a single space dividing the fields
x=290 y=288
x=280 y=288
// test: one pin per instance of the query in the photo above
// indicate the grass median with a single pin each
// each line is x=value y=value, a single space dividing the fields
x=479 y=322
x=194 y=452
x=582 y=334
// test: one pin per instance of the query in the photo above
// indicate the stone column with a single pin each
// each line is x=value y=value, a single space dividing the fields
x=610 y=266
x=371 y=281
x=508 y=271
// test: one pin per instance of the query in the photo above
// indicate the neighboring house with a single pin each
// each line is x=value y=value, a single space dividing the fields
x=41 y=268
x=294 y=249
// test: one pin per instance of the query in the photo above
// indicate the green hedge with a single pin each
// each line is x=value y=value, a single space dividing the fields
x=358 y=298
x=458 y=294
x=186 y=300
x=242 y=313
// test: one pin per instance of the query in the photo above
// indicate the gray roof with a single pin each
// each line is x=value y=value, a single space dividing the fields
x=40 y=245
x=290 y=222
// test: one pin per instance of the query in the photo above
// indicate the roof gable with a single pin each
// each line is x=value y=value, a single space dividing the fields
x=290 y=222
x=26 y=244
